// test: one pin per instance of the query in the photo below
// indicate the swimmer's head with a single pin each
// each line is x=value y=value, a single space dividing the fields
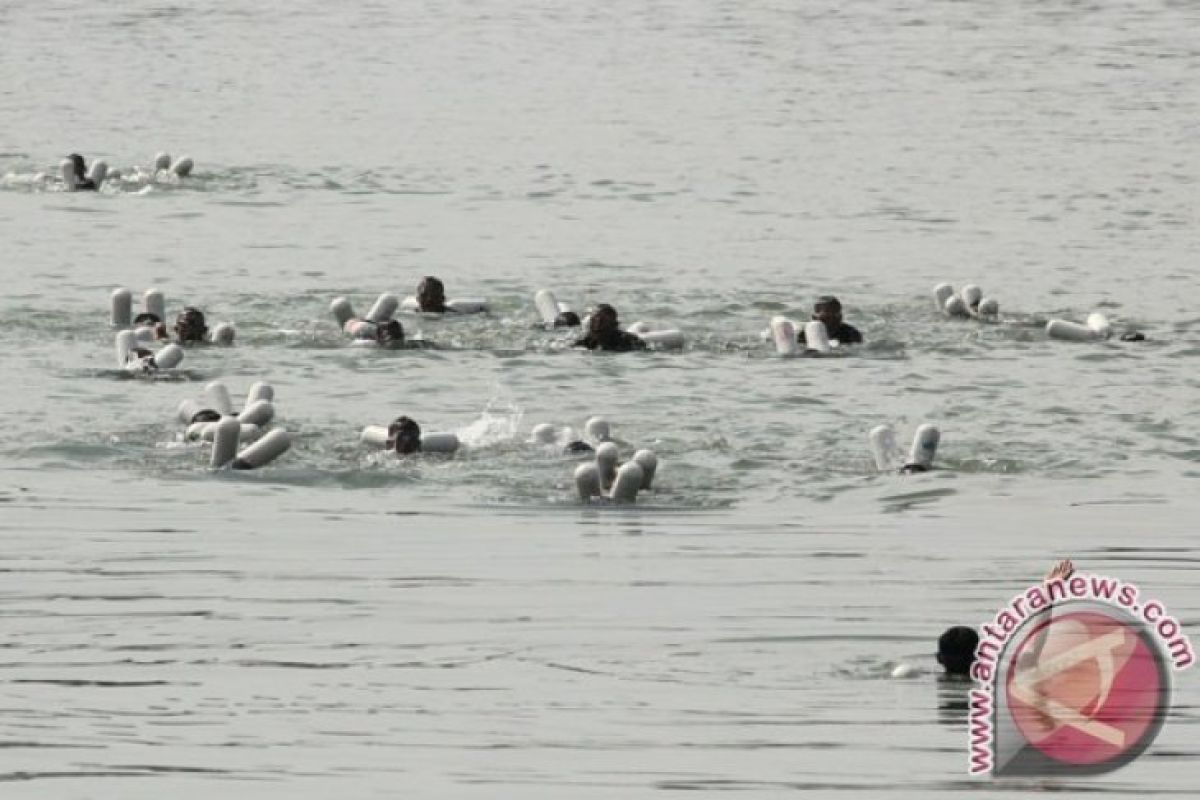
x=956 y=649
x=146 y=318
x=189 y=325
x=828 y=309
x=567 y=319
x=431 y=294
x=80 y=167
x=404 y=436
x=603 y=319
x=389 y=333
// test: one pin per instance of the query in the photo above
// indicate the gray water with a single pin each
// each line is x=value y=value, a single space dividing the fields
x=341 y=623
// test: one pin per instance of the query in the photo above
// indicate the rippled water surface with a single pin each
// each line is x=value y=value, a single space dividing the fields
x=341 y=623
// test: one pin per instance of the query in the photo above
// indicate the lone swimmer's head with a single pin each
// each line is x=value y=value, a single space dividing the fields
x=431 y=294
x=80 y=167
x=404 y=436
x=389 y=333
x=190 y=326
x=567 y=319
x=956 y=649
x=603 y=321
x=828 y=309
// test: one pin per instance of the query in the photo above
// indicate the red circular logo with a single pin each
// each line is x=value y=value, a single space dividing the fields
x=1086 y=689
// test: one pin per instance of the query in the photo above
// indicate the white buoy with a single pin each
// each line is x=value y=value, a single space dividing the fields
x=606 y=462
x=146 y=334
x=183 y=166
x=941 y=293
x=260 y=390
x=374 y=435
x=264 y=451
x=223 y=334
x=125 y=344
x=438 y=442
x=971 y=295
x=543 y=433
x=783 y=331
x=663 y=340
x=218 y=398
x=955 y=307
x=259 y=413
x=169 y=357
x=816 y=337
x=383 y=309
x=597 y=429
x=188 y=410
x=587 y=481
x=1069 y=331
x=628 y=481
x=468 y=305
x=225 y=442
x=884 y=450
x=903 y=671
x=155 y=304
x=924 y=447
x=207 y=431
x=342 y=311
x=98 y=172
x=162 y=161
x=547 y=306
x=67 y=170
x=639 y=328
x=988 y=307
x=648 y=461
x=122 y=308
x=1099 y=323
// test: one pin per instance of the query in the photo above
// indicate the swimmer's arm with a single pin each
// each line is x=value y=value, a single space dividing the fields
x=1063 y=570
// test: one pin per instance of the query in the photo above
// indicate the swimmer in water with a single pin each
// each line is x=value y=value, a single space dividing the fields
x=82 y=182
x=604 y=333
x=956 y=646
x=431 y=296
x=190 y=326
x=404 y=436
x=567 y=319
x=828 y=309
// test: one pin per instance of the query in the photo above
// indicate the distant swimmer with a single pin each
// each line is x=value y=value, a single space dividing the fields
x=431 y=296
x=190 y=326
x=82 y=182
x=604 y=333
x=567 y=319
x=956 y=650
x=828 y=309
x=404 y=436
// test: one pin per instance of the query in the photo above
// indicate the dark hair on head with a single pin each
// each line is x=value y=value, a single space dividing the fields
x=603 y=318
x=431 y=294
x=827 y=301
x=567 y=319
x=404 y=436
x=390 y=331
x=145 y=317
x=956 y=649
x=189 y=325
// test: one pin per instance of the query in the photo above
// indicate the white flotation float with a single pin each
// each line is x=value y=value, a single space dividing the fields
x=154 y=302
x=162 y=162
x=202 y=418
x=462 y=305
x=668 y=339
x=122 y=308
x=433 y=442
x=783 y=333
x=227 y=438
x=969 y=302
x=601 y=479
x=128 y=359
x=98 y=172
x=548 y=307
x=1096 y=329
x=364 y=330
x=183 y=167
x=887 y=454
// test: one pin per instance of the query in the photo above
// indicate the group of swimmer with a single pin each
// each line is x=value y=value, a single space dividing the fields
x=76 y=176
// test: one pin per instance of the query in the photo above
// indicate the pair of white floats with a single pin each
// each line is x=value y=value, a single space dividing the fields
x=99 y=171
x=596 y=429
x=232 y=428
x=602 y=480
x=969 y=302
x=1096 y=329
x=888 y=456
x=153 y=302
x=432 y=442
x=549 y=308
x=816 y=338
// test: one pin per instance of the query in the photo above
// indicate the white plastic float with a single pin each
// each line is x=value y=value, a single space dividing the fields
x=887 y=454
x=1096 y=329
x=433 y=442
x=128 y=359
x=782 y=332
x=462 y=305
x=203 y=419
x=548 y=307
x=969 y=302
x=227 y=438
x=153 y=302
x=363 y=329
x=602 y=480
